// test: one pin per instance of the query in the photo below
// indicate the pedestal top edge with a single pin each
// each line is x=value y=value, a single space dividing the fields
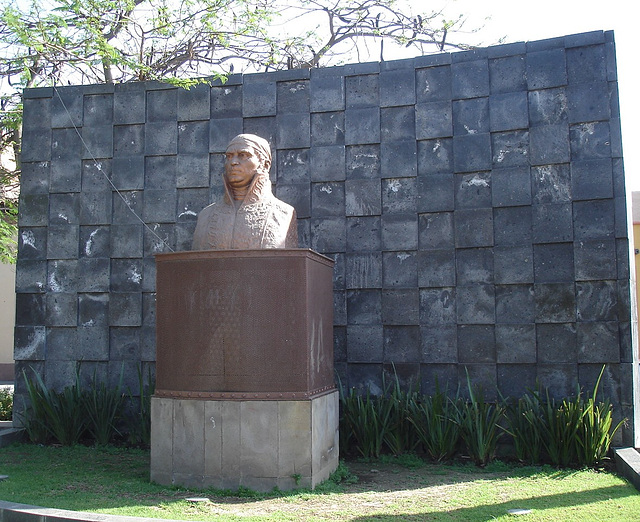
x=244 y=254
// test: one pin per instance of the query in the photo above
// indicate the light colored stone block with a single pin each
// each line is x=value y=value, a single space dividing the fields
x=294 y=418
x=161 y=439
x=188 y=437
x=213 y=423
x=259 y=439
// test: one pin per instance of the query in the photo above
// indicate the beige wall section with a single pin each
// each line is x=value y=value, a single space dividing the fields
x=7 y=319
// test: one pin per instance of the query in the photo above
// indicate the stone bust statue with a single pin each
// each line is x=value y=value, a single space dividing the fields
x=249 y=216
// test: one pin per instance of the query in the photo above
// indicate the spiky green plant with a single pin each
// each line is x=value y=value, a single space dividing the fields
x=104 y=407
x=524 y=423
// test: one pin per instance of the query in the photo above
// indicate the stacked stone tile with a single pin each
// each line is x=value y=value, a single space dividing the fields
x=474 y=204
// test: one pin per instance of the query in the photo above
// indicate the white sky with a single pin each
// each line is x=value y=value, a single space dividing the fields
x=527 y=20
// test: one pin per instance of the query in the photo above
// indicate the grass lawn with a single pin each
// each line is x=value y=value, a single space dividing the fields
x=116 y=481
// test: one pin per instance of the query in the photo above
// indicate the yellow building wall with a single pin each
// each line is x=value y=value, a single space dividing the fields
x=7 y=319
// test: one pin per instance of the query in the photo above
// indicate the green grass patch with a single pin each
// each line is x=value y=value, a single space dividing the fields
x=116 y=481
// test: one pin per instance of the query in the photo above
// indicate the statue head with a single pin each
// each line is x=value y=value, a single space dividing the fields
x=247 y=156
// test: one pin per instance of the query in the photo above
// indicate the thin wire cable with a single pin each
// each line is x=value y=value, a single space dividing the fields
x=99 y=168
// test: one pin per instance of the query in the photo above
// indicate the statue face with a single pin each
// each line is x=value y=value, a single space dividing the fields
x=241 y=165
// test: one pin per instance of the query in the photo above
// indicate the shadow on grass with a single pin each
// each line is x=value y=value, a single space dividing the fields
x=491 y=511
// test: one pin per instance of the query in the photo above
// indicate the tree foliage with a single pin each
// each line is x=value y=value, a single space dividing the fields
x=59 y=42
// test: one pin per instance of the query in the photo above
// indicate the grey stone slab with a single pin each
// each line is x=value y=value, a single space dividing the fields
x=327 y=199
x=327 y=163
x=125 y=309
x=159 y=238
x=365 y=343
x=160 y=138
x=594 y=260
x=552 y=223
x=126 y=275
x=226 y=101
x=192 y=170
x=508 y=73
x=557 y=343
x=29 y=343
x=397 y=87
x=514 y=304
x=34 y=177
x=551 y=183
x=476 y=304
x=548 y=107
x=474 y=227
x=126 y=206
x=435 y=156
x=96 y=176
x=36 y=114
x=473 y=190
x=327 y=92
x=399 y=195
x=398 y=123
x=362 y=126
x=160 y=173
x=31 y=276
x=363 y=233
x=162 y=105
x=433 y=120
x=402 y=344
x=400 y=269
x=297 y=195
x=66 y=107
x=597 y=301
x=399 y=232
x=587 y=64
x=598 y=342
x=511 y=187
x=93 y=309
x=160 y=206
x=546 y=69
x=509 y=111
x=193 y=137
x=222 y=130
x=470 y=79
x=439 y=345
x=293 y=166
x=61 y=309
x=510 y=149
x=400 y=306
x=594 y=219
x=259 y=99
x=93 y=275
x=66 y=175
x=263 y=126
x=474 y=265
x=554 y=263
x=62 y=242
x=97 y=142
x=293 y=131
x=512 y=226
x=437 y=307
x=436 y=268
x=30 y=309
x=362 y=91
x=555 y=302
x=125 y=345
x=436 y=230
x=62 y=275
x=128 y=140
x=129 y=106
x=148 y=308
x=327 y=128
x=588 y=102
x=191 y=202
x=95 y=241
x=472 y=152
x=328 y=234
x=590 y=140
x=364 y=306
x=62 y=345
x=194 y=103
x=64 y=209
x=470 y=116
x=36 y=145
x=33 y=210
x=126 y=241
x=437 y=378
x=362 y=162
x=514 y=380
x=363 y=197
x=436 y=193
x=398 y=159
x=292 y=96
x=433 y=84
x=516 y=343
x=363 y=270
x=476 y=344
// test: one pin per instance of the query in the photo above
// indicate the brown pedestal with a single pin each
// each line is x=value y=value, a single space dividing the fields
x=245 y=392
x=244 y=324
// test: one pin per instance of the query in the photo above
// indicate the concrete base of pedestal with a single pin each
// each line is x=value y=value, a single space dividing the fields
x=255 y=444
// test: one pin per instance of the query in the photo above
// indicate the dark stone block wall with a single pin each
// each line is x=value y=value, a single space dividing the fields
x=474 y=204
